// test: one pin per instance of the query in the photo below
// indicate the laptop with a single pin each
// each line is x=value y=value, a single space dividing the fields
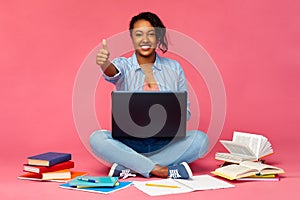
x=148 y=114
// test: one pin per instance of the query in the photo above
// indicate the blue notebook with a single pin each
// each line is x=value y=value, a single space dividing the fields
x=103 y=190
x=94 y=181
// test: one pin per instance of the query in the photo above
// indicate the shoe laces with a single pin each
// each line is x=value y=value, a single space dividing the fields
x=126 y=173
x=174 y=173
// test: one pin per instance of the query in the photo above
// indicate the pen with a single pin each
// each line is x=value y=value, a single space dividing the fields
x=161 y=185
x=88 y=180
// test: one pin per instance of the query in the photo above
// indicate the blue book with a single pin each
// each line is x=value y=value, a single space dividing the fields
x=103 y=190
x=48 y=159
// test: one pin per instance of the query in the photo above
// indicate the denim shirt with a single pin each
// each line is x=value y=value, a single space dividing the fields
x=168 y=75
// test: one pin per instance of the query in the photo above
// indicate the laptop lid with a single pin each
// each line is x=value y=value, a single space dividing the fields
x=149 y=114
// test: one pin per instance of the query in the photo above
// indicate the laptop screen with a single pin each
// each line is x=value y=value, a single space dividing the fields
x=149 y=114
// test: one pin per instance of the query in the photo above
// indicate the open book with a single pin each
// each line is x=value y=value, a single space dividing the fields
x=176 y=186
x=246 y=169
x=245 y=146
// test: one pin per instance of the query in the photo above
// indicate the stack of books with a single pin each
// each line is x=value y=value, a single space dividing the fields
x=249 y=171
x=243 y=161
x=50 y=166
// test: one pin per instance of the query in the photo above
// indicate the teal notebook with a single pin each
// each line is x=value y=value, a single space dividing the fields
x=103 y=190
x=93 y=181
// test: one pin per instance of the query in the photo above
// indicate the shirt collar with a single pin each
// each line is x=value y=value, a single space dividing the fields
x=157 y=63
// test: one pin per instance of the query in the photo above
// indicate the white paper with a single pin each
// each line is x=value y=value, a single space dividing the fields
x=202 y=182
x=205 y=182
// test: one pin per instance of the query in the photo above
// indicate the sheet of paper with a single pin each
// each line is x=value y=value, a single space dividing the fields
x=202 y=182
x=156 y=191
x=205 y=182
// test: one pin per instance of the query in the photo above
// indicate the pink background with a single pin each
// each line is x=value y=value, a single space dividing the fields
x=255 y=45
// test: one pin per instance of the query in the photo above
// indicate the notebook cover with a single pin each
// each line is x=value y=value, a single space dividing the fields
x=102 y=181
x=103 y=190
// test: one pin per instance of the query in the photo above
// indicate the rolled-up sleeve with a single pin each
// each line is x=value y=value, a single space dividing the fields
x=118 y=63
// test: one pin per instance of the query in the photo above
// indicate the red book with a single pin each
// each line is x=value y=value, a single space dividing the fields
x=38 y=177
x=42 y=169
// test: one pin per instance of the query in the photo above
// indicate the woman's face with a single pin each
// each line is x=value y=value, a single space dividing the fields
x=144 y=38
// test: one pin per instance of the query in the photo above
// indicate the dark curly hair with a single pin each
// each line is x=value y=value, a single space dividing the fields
x=160 y=29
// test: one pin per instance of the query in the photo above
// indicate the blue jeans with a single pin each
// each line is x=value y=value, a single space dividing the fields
x=188 y=149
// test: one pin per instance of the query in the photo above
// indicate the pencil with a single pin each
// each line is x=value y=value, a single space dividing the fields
x=161 y=185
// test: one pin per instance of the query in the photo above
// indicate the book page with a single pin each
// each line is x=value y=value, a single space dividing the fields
x=236 y=171
x=237 y=148
x=204 y=182
x=267 y=149
x=263 y=168
x=233 y=158
x=253 y=141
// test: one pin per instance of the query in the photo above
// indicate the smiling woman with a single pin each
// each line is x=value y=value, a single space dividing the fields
x=144 y=41
x=154 y=23
x=146 y=70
